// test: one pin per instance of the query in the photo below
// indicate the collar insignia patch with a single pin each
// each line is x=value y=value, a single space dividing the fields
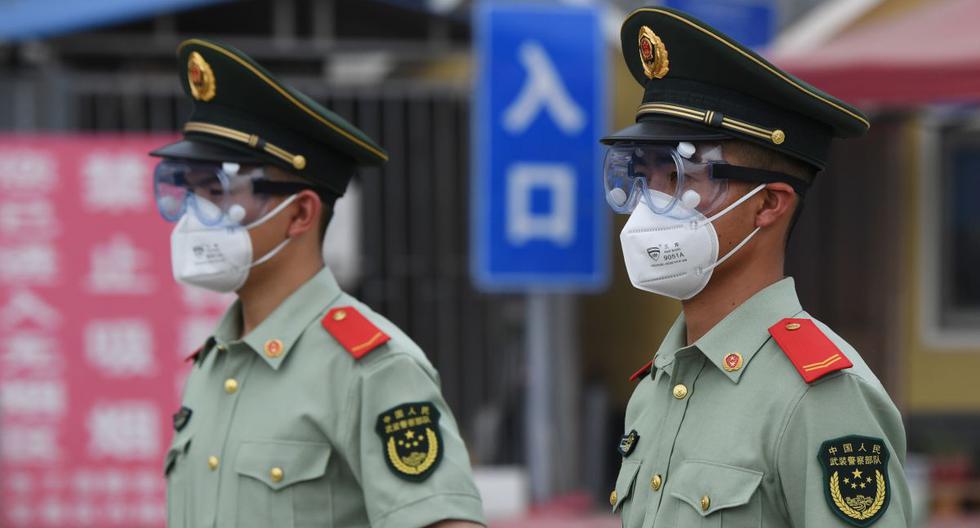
x=856 y=478
x=628 y=443
x=181 y=418
x=273 y=348
x=733 y=362
x=411 y=440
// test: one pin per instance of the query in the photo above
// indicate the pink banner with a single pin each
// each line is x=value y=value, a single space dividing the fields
x=93 y=332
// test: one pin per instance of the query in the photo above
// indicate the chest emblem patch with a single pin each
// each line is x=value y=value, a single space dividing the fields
x=628 y=443
x=410 y=440
x=856 y=478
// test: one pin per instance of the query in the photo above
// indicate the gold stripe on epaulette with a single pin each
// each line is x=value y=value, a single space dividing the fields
x=767 y=67
x=367 y=343
x=298 y=161
x=776 y=136
x=822 y=364
x=357 y=141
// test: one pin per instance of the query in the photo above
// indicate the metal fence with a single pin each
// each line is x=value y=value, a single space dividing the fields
x=414 y=210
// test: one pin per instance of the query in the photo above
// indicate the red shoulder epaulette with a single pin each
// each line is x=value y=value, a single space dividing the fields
x=193 y=357
x=812 y=352
x=643 y=371
x=353 y=331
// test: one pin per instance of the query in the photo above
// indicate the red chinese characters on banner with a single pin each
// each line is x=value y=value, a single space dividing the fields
x=93 y=331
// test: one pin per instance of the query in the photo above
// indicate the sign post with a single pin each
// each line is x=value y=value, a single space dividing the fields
x=539 y=221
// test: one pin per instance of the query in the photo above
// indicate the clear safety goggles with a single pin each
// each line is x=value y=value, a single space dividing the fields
x=664 y=176
x=240 y=193
x=680 y=180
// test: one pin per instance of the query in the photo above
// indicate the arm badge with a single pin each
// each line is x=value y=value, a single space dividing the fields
x=410 y=440
x=855 y=472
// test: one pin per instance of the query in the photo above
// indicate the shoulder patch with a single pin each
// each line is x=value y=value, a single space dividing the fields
x=855 y=483
x=411 y=442
x=353 y=331
x=812 y=352
x=643 y=371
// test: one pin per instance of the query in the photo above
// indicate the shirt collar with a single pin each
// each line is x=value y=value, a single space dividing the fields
x=732 y=343
x=740 y=334
x=274 y=337
x=674 y=342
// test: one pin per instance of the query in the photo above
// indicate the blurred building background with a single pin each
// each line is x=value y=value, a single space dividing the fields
x=886 y=253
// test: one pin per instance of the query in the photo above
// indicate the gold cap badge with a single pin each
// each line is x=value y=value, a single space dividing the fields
x=653 y=54
x=200 y=77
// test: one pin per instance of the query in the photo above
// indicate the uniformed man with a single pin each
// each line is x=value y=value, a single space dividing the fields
x=751 y=413
x=305 y=408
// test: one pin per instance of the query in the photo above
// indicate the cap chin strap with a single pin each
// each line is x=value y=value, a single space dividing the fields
x=745 y=240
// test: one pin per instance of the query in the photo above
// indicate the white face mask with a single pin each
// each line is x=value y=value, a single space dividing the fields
x=673 y=254
x=216 y=258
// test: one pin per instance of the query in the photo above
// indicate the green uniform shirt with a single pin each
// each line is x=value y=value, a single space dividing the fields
x=284 y=428
x=744 y=447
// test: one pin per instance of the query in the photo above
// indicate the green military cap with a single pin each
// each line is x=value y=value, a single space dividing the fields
x=243 y=114
x=700 y=85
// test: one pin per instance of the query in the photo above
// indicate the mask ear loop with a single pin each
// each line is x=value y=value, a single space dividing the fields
x=285 y=203
x=274 y=251
x=736 y=203
x=745 y=240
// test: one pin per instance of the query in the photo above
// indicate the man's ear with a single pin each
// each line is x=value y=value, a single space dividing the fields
x=777 y=203
x=307 y=214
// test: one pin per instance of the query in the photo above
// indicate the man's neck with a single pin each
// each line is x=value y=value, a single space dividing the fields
x=724 y=294
x=264 y=292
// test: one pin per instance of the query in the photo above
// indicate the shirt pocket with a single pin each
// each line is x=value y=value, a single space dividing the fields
x=175 y=470
x=269 y=473
x=624 y=488
x=713 y=495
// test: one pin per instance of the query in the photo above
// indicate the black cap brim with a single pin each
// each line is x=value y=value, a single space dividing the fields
x=665 y=130
x=199 y=150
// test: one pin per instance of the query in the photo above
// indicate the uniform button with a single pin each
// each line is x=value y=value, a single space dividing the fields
x=705 y=503
x=656 y=482
x=212 y=463
x=276 y=474
x=339 y=315
x=680 y=391
x=793 y=326
x=222 y=348
x=231 y=385
x=612 y=498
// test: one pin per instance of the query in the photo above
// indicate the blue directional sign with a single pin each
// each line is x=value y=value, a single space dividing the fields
x=539 y=220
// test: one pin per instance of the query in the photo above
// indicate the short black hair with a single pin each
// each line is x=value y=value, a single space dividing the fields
x=751 y=155
x=327 y=197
